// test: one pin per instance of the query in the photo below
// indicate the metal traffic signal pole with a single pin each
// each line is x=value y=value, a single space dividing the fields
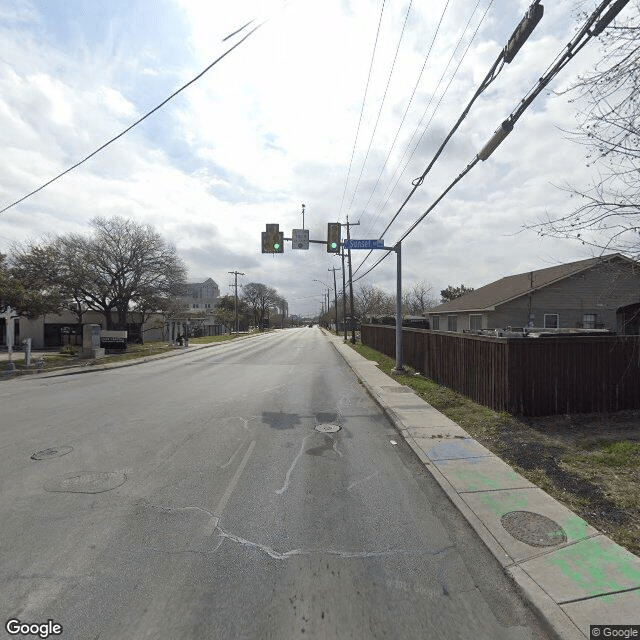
x=344 y=296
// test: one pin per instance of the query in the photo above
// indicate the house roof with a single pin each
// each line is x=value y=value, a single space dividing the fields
x=506 y=289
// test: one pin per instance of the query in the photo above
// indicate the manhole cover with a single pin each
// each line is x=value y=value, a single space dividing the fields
x=328 y=428
x=52 y=452
x=87 y=482
x=533 y=529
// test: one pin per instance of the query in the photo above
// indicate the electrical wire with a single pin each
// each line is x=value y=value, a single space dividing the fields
x=384 y=97
x=559 y=63
x=404 y=116
x=489 y=78
x=144 y=117
x=461 y=175
x=432 y=116
x=364 y=99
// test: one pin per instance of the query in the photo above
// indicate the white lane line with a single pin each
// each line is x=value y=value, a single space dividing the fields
x=213 y=523
x=285 y=486
x=235 y=453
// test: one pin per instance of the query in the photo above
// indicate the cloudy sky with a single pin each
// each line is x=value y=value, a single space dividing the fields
x=280 y=121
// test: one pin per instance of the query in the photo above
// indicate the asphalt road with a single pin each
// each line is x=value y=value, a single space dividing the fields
x=194 y=497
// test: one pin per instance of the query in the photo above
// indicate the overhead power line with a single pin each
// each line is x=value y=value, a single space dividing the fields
x=437 y=107
x=594 y=25
x=432 y=116
x=404 y=115
x=384 y=97
x=149 y=113
x=364 y=99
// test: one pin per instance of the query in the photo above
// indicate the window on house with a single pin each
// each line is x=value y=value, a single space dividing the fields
x=589 y=321
x=452 y=323
x=475 y=322
x=551 y=321
x=435 y=322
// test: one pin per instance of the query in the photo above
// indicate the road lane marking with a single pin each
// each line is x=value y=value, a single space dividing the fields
x=285 y=486
x=211 y=527
x=235 y=453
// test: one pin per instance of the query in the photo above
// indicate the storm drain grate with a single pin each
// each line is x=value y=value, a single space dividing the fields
x=533 y=529
x=328 y=428
x=87 y=482
x=51 y=452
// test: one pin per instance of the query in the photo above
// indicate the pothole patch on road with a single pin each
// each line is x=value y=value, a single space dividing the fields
x=328 y=428
x=51 y=452
x=87 y=482
x=533 y=529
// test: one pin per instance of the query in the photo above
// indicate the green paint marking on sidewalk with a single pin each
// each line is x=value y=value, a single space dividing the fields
x=478 y=481
x=576 y=528
x=505 y=504
x=587 y=564
x=595 y=568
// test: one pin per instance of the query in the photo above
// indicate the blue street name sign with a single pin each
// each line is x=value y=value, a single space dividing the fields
x=364 y=244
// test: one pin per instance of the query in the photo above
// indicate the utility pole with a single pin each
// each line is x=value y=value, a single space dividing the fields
x=335 y=294
x=235 y=308
x=353 y=328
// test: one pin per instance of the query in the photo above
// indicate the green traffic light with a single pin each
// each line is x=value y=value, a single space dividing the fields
x=333 y=245
x=276 y=246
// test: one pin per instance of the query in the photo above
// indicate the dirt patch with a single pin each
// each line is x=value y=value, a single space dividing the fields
x=591 y=463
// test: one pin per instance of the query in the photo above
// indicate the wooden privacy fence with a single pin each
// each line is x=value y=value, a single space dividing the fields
x=526 y=376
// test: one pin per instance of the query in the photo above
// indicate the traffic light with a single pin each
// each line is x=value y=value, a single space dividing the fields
x=333 y=237
x=272 y=239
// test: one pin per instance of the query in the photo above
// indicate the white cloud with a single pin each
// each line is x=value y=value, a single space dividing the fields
x=273 y=125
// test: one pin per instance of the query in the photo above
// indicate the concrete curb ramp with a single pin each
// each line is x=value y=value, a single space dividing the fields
x=570 y=573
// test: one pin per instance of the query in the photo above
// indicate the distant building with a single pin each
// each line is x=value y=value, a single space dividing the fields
x=201 y=297
x=598 y=293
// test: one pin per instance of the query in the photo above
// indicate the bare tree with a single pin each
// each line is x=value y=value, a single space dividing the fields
x=371 y=300
x=418 y=299
x=607 y=215
x=260 y=298
x=121 y=264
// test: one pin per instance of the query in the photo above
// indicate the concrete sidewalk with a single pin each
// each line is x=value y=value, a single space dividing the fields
x=569 y=572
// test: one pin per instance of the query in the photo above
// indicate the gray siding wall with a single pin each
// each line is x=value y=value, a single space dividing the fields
x=599 y=291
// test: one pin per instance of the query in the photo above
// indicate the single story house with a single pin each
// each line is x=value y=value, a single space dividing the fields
x=597 y=293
